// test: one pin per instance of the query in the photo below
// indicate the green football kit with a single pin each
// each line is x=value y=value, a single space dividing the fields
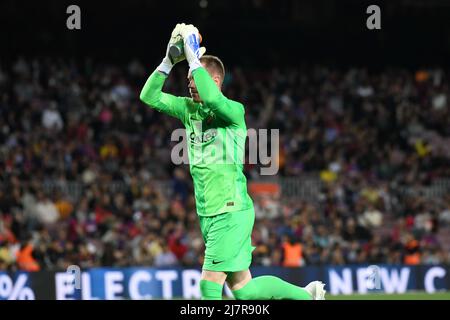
x=216 y=134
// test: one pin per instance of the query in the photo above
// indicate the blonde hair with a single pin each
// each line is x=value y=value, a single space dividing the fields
x=214 y=64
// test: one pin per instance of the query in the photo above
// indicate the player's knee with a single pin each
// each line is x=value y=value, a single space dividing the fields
x=244 y=295
x=247 y=292
x=214 y=276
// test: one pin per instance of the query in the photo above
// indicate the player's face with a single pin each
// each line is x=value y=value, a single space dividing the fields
x=193 y=89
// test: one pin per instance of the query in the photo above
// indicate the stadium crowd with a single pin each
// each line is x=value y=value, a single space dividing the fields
x=373 y=139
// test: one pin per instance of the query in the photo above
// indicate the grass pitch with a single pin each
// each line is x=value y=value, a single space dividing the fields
x=385 y=296
x=418 y=295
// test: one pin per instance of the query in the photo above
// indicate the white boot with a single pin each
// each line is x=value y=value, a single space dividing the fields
x=316 y=290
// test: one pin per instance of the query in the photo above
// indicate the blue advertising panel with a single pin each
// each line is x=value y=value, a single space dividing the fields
x=183 y=283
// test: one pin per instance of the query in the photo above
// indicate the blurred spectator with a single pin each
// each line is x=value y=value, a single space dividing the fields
x=51 y=118
x=412 y=255
x=165 y=258
x=86 y=171
x=292 y=253
x=25 y=259
x=45 y=210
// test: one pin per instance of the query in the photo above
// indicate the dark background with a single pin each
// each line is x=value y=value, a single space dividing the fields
x=251 y=32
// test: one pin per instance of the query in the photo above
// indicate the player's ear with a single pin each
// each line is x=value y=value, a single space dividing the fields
x=217 y=80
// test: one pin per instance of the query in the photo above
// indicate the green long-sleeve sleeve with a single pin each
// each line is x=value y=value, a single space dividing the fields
x=152 y=95
x=224 y=108
x=216 y=144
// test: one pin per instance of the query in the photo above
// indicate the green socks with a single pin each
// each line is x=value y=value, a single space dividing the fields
x=210 y=290
x=270 y=287
x=260 y=288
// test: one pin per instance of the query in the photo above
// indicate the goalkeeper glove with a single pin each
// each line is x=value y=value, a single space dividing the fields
x=168 y=62
x=192 y=50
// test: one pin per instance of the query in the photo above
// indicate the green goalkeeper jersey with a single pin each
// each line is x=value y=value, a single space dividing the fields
x=216 y=133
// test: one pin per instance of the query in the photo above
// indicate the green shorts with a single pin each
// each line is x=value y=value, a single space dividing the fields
x=228 y=240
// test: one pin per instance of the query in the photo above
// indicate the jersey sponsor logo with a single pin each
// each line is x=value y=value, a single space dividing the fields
x=217 y=262
x=204 y=137
x=229 y=204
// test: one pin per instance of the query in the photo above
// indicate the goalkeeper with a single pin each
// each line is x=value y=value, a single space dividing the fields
x=225 y=209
